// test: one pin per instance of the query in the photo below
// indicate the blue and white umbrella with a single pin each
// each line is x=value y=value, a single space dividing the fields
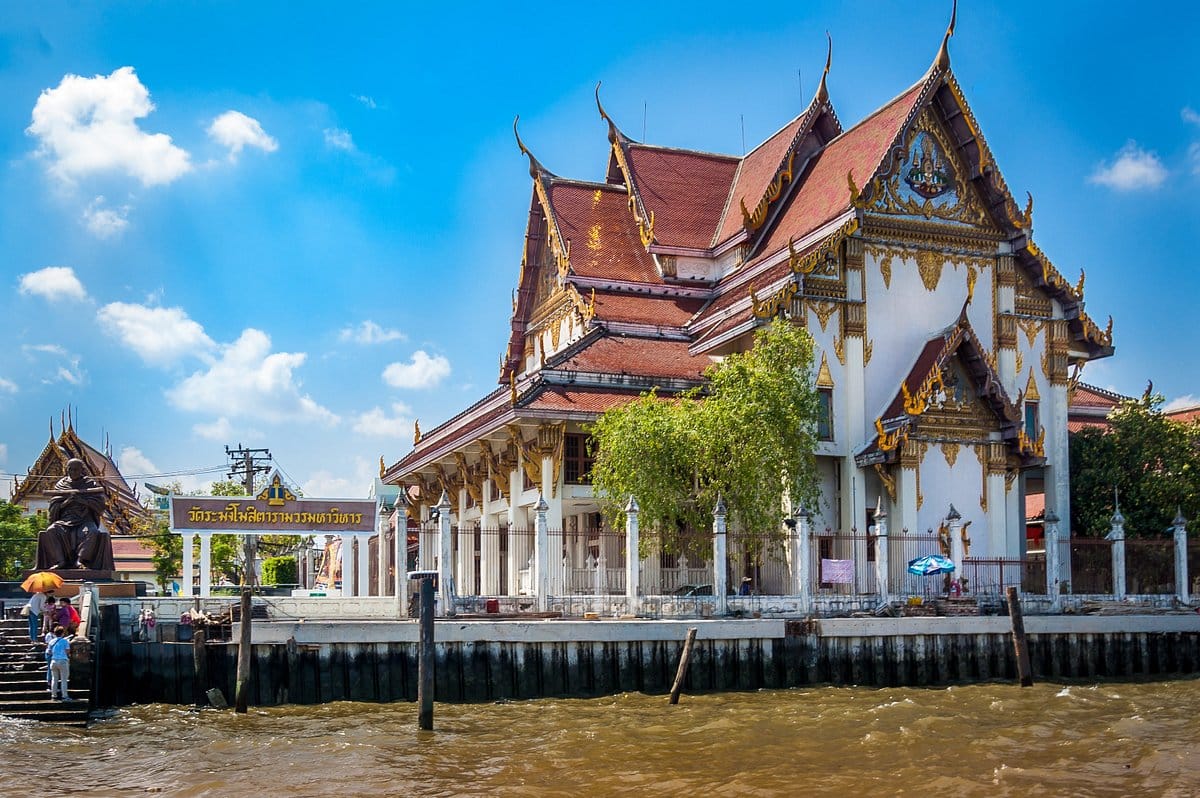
x=931 y=564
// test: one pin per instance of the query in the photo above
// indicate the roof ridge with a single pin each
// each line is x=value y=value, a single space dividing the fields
x=684 y=151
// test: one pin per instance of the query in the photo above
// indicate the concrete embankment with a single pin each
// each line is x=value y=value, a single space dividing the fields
x=322 y=661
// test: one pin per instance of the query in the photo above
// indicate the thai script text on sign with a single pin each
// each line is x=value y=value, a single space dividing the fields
x=301 y=515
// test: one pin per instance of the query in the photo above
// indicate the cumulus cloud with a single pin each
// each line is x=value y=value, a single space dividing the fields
x=377 y=423
x=368 y=332
x=7 y=386
x=235 y=131
x=324 y=483
x=104 y=222
x=338 y=139
x=424 y=371
x=53 y=283
x=158 y=335
x=1132 y=169
x=365 y=100
x=250 y=381
x=219 y=430
x=65 y=369
x=89 y=126
x=1182 y=403
x=135 y=465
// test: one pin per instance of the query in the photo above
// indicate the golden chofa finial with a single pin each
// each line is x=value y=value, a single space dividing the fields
x=534 y=166
x=416 y=431
x=822 y=90
x=942 y=61
x=614 y=132
x=382 y=469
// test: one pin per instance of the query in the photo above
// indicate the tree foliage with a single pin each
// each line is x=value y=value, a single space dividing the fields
x=1152 y=461
x=18 y=539
x=748 y=437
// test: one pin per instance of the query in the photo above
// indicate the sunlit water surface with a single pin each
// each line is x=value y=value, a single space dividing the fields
x=1109 y=739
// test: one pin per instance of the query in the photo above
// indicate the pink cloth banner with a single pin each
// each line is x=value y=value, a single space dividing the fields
x=837 y=572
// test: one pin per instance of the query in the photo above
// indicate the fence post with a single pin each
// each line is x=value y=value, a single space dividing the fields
x=1117 y=536
x=1181 y=563
x=541 y=556
x=882 y=568
x=1053 y=583
x=632 y=556
x=957 y=550
x=400 y=515
x=445 y=557
x=720 y=557
x=804 y=584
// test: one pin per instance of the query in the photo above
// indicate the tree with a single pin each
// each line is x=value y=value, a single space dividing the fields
x=1152 y=461
x=18 y=539
x=748 y=437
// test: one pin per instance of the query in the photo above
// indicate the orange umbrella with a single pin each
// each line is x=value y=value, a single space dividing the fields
x=41 y=582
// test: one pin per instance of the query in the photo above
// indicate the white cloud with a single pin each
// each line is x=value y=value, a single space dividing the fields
x=326 y=484
x=7 y=386
x=365 y=100
x=49 y=349
x=219 y=430
x=66 y=371
x=423 y=372
x=250 y=381
x=376 y=423
x=135 y=465
x=70 y=373
x=338 y=139
x=88 y=126
x=235 y=131
x=368 y=332
x=158 y=335
x=105 y=222
x=1182 y=402
x=53 y=283
x=1190 y=116
x=1132 y=169
x=1193 y=118
x=3 y=453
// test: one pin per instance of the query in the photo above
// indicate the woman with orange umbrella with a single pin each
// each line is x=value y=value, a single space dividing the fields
x=42 y=585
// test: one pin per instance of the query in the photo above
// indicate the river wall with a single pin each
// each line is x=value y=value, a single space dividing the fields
x=317 y=662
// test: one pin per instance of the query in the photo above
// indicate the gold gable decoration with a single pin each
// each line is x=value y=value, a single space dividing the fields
x=824 y=377
x=1031 y=389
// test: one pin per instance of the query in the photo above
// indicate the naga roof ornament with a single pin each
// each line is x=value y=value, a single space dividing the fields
x=644 y=218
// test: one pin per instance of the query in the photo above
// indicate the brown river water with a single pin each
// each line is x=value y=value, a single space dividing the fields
x=1118 y=739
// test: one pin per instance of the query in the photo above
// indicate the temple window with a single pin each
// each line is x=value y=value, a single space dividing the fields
x=825 y=414
x=577 y=459
x=1031 y=420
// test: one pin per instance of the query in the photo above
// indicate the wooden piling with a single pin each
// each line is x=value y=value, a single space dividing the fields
x=1020 y=646
x=684 y=657
x=242 y=690
x=199 y=664
x=425 y=660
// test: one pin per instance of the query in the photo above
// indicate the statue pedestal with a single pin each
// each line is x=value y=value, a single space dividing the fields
x=73 y=579
x=75 y=574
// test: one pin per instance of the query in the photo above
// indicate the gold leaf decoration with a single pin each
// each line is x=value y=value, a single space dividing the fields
x=950 y=452
x=929 y=265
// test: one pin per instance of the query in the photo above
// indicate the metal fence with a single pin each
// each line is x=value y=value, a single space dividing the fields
x=1091 y=565
x=1149 y=566
x=991 y=577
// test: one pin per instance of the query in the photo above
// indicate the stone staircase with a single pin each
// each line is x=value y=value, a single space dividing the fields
x=23 y=690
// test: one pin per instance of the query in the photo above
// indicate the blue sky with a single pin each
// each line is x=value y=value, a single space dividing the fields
x=298 y=225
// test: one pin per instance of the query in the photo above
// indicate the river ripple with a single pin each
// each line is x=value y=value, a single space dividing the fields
x=1113 y=739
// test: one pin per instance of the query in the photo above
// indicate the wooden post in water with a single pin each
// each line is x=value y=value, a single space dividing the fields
x=241 y=694
x=199 y=664
x=425 y=662
x=684 y=657
x=1020 y=648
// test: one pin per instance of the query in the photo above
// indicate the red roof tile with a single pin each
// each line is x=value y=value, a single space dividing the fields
x=1090 y=396
x=686 y=192
x=604 y=238
x=580 y=400
x=823 y=192
x=663 y=311
x=1184 y=414
x=641 y=357
x=757 y=169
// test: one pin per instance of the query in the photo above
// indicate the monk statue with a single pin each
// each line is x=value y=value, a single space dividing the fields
x=75 y=538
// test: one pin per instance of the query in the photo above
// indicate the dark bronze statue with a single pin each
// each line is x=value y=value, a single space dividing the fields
x=75 y=538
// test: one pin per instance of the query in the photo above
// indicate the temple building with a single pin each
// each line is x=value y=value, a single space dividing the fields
x=947 y=342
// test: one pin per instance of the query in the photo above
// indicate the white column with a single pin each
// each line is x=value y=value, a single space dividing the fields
x=1053 y=572
x=906 y=498
x=957 y=549
x=1117 y=536
x=882 y=568
x=518 y=545
x=346 y=552
x=489 y=547
x=400 y=518
x=382 y=523
x=185 y=577
x=542 y=556
x=205 y=564
x=364 y=565
x=1181 y=563
x=632 y=560
x=1056 y=473
x=555 y=524
x=805 y=584
x=720 y=553
x=1002 y=543
x=445 y=566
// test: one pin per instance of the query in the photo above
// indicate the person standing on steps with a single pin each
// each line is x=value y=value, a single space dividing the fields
x=60 y=664
x=37 y=606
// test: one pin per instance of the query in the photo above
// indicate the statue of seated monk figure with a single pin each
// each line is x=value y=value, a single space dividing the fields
x=75 y=538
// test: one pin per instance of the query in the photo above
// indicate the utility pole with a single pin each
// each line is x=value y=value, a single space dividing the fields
x=245 y=463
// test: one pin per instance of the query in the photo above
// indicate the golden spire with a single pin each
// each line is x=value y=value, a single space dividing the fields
x=942 y=61
x=822 y=91
x=381 y=467
x=416 y=431
x=535 y=166
x=614 y=132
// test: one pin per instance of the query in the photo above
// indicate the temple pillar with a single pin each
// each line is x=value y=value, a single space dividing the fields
x=519 y=544
x=489 y=547
x=465 y=566
x=445 y=566
x=1053 y=579
x=400 y=520
x=542 y=556
x=1179 y=529
x=364 y=565
x=1117 y=536
x=906 y=498
x=346 y=552
x=552 y=496
x=883 y=574
x=632 y=557
x=958 y=549
x=185 y=576
x=205 y=564
x=720 y=566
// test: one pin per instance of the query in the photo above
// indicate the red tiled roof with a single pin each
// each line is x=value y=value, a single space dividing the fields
x=758 y=167
x=686 y=192
x=580 y=400
x=1075 y=425
x=1184 y=414
x=1035 y=506
x=663 y=311
x=823 y=192
x=1090 y=396
x=604 y=238
x=640 y=357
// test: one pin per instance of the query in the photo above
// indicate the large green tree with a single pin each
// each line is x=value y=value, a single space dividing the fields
x=747 y=436
x=1152 y=461
x=18 y=539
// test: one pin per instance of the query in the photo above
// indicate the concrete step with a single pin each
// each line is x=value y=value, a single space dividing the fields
x=38 y=692
x=76 y=718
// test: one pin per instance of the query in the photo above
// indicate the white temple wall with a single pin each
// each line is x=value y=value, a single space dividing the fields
x=943 y=485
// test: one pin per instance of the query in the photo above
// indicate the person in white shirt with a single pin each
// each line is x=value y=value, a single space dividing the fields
x=60 y=664
x=37 y=606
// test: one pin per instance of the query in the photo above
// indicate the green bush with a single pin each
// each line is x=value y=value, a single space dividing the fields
x=279 y=571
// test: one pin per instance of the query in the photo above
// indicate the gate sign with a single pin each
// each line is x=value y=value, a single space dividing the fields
x=274 y=509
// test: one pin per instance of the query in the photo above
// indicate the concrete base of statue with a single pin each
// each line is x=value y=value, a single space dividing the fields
x=74 y=578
